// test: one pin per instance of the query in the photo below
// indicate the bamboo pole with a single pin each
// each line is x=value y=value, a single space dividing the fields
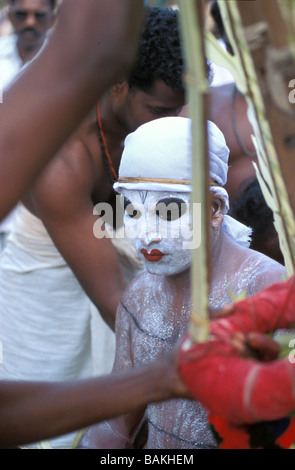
x=191 y=14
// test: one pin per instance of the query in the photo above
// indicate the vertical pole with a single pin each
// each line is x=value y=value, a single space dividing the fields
x=191 y=13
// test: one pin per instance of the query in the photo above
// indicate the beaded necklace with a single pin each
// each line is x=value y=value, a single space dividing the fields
x=104 y=150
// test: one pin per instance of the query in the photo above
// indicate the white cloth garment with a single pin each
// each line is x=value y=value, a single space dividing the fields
x=158 y=155
x=50 y=330
x=221 y=75
x=44 y=313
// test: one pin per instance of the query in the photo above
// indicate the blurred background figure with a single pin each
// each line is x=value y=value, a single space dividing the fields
x=251 y=209
x=5 y=25
x=31 y=20
x=28 y=23
x=228 y=110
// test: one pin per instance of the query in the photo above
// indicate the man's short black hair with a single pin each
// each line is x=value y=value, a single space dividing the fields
x=51 y=2
x=160 y=53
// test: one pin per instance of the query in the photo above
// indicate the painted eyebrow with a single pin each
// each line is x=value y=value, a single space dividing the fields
x=170 y=200
x=127 y=202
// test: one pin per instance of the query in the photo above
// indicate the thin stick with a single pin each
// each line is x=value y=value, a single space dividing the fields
x=191 y=14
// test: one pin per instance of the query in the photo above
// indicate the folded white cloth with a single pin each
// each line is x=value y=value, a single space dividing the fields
x=44 y=312
x=162 y=149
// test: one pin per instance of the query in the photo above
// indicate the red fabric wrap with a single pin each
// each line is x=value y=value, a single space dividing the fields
x=267 y=311
x=241 y=390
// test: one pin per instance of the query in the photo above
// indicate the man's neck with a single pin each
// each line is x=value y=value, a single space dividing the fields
x=27 y=54
x=181 y=280
x=113 y=132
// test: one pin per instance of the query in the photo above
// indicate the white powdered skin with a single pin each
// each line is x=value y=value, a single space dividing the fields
x=154 y=315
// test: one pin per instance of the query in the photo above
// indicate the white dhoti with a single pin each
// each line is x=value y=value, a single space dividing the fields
x=44 y=313
x=49 y=329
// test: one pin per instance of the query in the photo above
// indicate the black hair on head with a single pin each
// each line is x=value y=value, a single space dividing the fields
x=251 y=209
x=160 y=53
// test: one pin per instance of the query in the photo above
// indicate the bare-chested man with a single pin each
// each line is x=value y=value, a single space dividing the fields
x=155 y=174
x=65 y=406
x=52 y=258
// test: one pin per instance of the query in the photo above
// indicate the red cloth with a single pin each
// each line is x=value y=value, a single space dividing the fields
x=240 y=391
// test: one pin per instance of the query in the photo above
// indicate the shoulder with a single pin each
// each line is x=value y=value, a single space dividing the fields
x=67 y=177
x=71 y=164
x=262 y=271
x=140 y=293
x=137 y=287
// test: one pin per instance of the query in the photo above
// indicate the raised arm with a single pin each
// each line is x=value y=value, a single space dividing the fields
x=92 y=44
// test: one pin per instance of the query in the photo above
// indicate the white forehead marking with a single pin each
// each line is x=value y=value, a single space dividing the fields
x=143 y=196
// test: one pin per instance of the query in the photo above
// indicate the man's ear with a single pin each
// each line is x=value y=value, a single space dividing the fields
x=120 y=89
x=217 y=211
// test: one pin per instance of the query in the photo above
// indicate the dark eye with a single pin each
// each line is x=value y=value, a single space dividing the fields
x=19 y=15
x=41 y=17
x=171 y=209
x=130 y=210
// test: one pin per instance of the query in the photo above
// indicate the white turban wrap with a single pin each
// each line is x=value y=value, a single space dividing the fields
x=158 y=157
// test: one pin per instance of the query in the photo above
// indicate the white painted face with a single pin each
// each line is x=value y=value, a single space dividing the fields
x=158 y=222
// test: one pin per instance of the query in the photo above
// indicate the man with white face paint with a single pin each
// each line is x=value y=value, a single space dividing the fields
x=160 y=225
x=155 y=172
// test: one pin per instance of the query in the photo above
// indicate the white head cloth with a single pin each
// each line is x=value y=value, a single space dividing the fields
x=158 y=157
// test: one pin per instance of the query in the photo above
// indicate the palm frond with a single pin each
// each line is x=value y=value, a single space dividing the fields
x=269 y=174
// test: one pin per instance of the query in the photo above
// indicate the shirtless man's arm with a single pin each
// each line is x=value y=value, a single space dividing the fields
x=67 y=406
x=62 y=199
x=92 y=44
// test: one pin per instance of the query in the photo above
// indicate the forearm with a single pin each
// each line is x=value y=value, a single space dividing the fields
x=31 y=412
x=101 y=278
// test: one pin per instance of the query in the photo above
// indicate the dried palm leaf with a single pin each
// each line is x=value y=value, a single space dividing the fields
x=269 y=174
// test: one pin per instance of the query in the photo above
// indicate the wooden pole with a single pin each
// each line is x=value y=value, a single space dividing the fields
x=191 y=13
